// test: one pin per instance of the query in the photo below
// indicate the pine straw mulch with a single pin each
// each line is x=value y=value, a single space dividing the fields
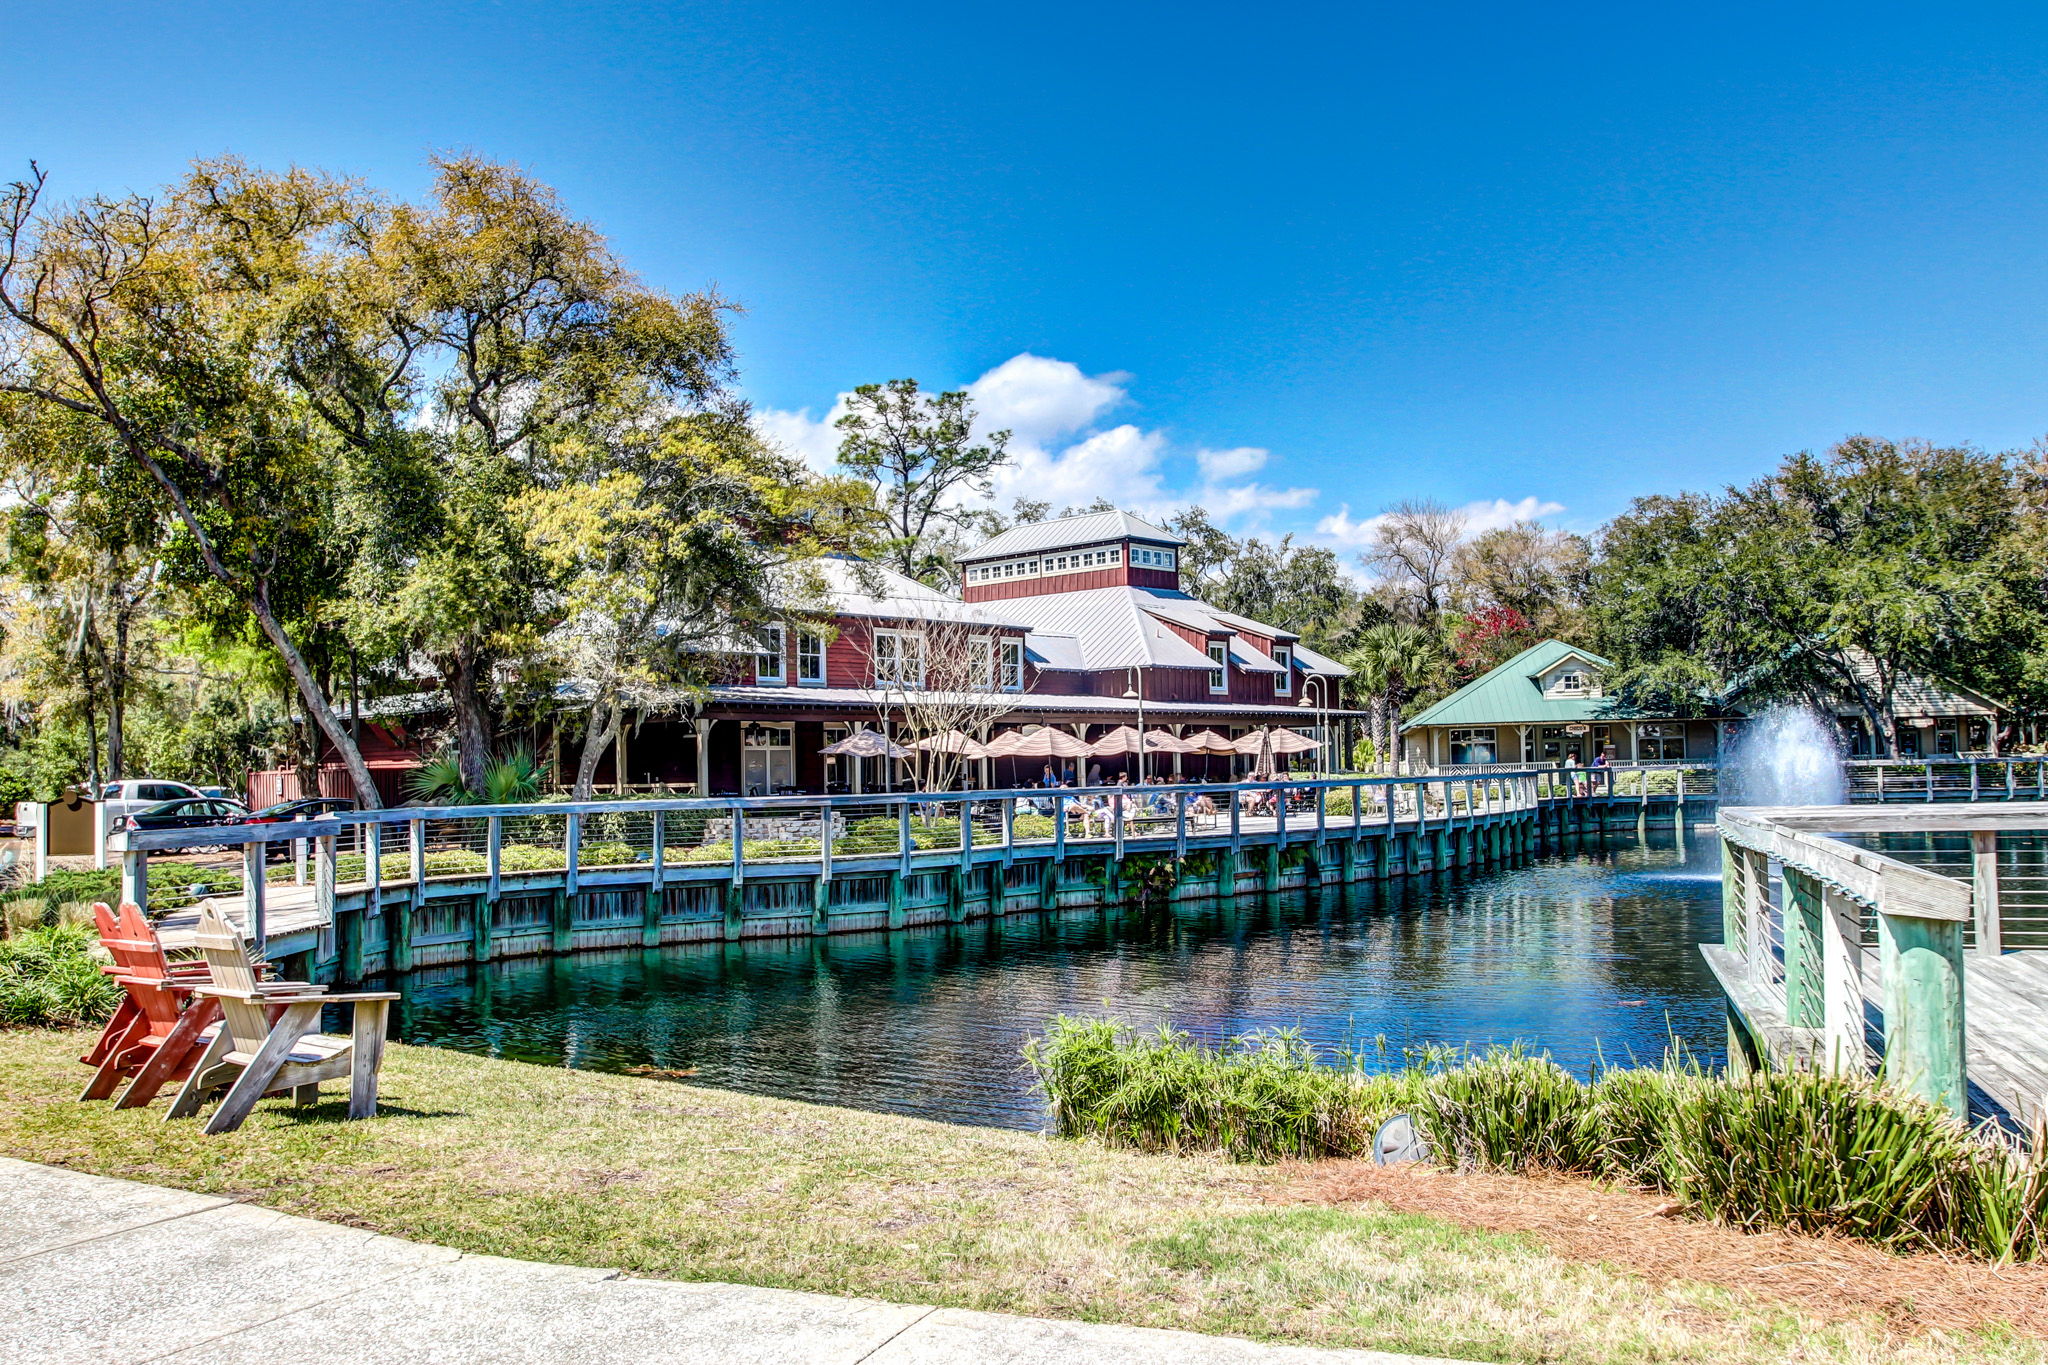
x=1831 y=1278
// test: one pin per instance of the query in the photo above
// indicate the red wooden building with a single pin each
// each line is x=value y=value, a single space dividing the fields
x=1082 y=620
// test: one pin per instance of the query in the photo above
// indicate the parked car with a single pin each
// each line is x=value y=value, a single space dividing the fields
x=305 y=808
x=186 y=813
x=132 y=794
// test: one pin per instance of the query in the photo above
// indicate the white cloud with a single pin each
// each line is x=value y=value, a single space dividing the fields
x=812 y=441
x=1230 y=464
x=1060 y=454
x=1487 y=514
x=1039 y=400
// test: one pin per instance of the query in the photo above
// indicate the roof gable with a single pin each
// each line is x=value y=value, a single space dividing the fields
x=1511 y=693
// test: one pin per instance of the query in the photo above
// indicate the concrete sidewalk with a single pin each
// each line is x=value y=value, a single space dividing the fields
x=98 y=1270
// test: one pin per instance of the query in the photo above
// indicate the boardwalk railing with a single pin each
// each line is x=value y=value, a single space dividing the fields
x=2022 y=778
x=586 y=843
x=1852 y=925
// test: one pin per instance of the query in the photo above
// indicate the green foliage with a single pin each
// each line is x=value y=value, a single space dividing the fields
x=65 y=886
x=919 y=451
x=1805 y=1150
x=50 y=977
x=1260 y=1097
x=1920 y=558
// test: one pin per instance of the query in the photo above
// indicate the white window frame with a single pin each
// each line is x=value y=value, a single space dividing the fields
x=1219 y=676
x=982 y=662
x=1469 y=737
x=1283 y=681
x=764 y=651
x=814 y=641
x=1010 y=660
x=908 y=645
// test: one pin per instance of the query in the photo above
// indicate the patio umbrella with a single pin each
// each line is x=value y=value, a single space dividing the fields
x=865 y=743
x=1276 y=741
x=1044 y=742
x=1122 y=740
x=1208 y=742
x=952 y=742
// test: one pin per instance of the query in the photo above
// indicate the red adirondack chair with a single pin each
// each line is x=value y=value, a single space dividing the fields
x=159 y=1029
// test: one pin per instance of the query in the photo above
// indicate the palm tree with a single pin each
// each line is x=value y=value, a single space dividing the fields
x=1391 y=663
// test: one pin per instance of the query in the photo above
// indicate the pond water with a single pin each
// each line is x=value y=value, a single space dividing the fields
x=1587 y=954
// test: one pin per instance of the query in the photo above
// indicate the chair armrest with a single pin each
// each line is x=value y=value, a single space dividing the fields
x=355 y=997
x=224 y=993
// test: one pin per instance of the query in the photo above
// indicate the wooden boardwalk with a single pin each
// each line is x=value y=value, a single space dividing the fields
x=2005 y=1044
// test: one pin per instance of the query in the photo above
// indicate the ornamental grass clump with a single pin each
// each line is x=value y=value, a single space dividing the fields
x=50 y=977
x=1817 y=1152
x=1259 y=1097
x=1810 y=1151
x=1510 y=1110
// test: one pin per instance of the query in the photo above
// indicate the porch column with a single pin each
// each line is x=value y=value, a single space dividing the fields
x=1177 y=732
x=703 y=727
x=1635 y=747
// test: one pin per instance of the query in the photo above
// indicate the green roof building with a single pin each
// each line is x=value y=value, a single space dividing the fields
x=1547 y=704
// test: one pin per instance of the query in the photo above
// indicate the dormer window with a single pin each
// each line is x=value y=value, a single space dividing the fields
x=1283 y=681
x=1573 y=681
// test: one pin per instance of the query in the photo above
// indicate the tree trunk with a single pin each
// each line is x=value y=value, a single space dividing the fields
x=311 y=697
x=117 y=686
x=464 y=674
x=604 y=728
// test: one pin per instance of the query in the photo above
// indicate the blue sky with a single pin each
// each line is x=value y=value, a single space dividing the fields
x=1297 y=262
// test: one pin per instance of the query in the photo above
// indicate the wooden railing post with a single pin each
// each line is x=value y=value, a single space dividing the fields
x=135 y=877
x=1984 y=893
x=1922 y=965
x=572 y=848
x=494 y=848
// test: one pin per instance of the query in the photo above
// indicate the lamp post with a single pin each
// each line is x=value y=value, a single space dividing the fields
x=1137 y=694
x=1322 y=726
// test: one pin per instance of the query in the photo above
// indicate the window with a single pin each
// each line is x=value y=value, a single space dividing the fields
x=1219 y=676
x=983 y=657
x=899 y=658
x=1472 y=746
x=1013 y=665
x=1154 y=559
x=810 y=659
x=1283 y=681
x=1571 y=680
x=1660 y=743
x=768 y=656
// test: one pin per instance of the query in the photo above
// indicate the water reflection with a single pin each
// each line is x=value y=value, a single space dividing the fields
x=1590 y=953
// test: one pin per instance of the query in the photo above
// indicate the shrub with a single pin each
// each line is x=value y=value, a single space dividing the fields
x=1257 y=1097
x=50 y=977
x=63 y=886
x=1511 y=1111
x=1806 y=1150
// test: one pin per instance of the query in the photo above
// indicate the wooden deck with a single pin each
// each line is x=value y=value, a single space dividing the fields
x=2006 y=1015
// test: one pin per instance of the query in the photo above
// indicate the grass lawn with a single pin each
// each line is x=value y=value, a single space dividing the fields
x=670 y=1180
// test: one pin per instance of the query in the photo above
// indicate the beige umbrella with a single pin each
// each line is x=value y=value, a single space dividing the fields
x=1044 y=742
x=865 y=743
x=952 y=742
x=1122 y=740
x=1208 y=742
x=1277 y=741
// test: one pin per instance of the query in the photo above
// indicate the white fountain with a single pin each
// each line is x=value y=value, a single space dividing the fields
x=1785 y=756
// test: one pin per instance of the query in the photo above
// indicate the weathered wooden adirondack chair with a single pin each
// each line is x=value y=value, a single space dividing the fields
x=261 y=1049
x=159 y=1028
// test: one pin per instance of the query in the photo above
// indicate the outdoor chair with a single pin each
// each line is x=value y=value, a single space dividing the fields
x=162 y=1024
x=261 y=1049
x=157 y=1029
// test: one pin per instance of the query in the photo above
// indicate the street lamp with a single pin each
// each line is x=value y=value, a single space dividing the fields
x=1136 y=694
x=1322 y=726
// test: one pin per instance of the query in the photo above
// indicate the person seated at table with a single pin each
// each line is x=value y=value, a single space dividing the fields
x=1202 y=805
x=1088 y=810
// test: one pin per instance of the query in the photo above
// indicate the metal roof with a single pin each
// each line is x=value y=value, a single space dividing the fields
x=1123 y=627
x=862 y=587
x=1510 y=694
x=1089 y=528
x=1112 y=626
x=1062 y=653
